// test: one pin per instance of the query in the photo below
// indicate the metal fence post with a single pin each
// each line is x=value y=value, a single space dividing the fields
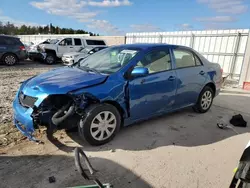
x=192 y=40
x=160 y=38
x=235 y=53
x=245 y=69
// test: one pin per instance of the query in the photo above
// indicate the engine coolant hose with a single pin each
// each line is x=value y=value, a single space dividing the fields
x=58 y=117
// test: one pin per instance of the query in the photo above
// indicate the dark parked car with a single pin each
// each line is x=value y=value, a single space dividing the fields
x=12 y=50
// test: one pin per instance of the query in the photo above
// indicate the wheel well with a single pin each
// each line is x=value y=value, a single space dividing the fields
x=50 y=51
x=212 y=86
x=118 y=107
x=9 y=53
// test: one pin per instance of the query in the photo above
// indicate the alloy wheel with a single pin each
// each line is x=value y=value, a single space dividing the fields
x=10 y=60
x=206 y=100
x=103 y=125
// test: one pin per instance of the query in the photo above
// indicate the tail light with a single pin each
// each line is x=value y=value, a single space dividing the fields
x=22 y=47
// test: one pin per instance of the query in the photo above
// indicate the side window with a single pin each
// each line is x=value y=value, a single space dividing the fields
x=10 y=41
x=95 y=42
x=197 y=61
x=66 y=42
x=184 y=58
x=78 y=42
x=2 y=41
x=156 y=61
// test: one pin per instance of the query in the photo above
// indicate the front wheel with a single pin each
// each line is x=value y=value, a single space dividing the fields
x=205 y=100
x=50 y=58
x=100 y=125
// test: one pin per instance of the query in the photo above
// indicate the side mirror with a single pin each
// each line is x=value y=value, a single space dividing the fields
x=139 y=72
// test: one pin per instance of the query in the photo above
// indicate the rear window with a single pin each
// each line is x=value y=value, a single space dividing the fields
x=95 y=42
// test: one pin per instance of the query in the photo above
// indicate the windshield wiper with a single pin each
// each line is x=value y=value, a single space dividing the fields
x=88 y=69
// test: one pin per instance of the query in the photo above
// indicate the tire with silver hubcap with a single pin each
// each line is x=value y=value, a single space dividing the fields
x=100 y=125
x=10 y=59
x=205 y=100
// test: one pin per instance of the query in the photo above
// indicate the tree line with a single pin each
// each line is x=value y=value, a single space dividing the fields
x=11 y=29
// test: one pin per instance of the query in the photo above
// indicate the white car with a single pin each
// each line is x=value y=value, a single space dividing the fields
x=72 y=57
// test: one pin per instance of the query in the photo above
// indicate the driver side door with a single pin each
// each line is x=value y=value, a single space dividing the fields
x=155 y=92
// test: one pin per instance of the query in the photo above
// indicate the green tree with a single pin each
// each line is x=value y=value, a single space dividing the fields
x=11 y=29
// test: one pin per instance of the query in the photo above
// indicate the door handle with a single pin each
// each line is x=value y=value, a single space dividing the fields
x=70 y=47
x=171 y=78
x=202 y=72
x=142 y=81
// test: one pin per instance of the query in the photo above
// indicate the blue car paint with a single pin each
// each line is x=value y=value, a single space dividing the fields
x=63 y=80
x=139 y=98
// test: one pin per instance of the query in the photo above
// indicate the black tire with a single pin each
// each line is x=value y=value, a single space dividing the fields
x=10 y=59
x=199 y=107
x=50 y=59
x=84 y=127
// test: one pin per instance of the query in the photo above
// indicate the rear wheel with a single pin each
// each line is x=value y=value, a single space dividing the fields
x=100 y=125
x=10 y=59
x=50 y=58
x=205 y=100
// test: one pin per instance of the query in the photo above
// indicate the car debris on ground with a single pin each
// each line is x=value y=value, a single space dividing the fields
x=52 y=179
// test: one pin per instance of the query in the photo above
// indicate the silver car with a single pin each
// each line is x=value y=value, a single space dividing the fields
x=72 y=57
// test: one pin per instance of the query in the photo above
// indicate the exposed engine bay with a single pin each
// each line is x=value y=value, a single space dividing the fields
x=60 y=111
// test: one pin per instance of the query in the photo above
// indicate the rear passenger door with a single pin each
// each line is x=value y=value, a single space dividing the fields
x=77 y=44
x=191 y=77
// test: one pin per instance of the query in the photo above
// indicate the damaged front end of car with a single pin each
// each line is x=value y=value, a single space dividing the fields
x=55 y=111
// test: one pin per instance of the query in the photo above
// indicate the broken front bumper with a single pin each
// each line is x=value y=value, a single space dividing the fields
x=23 y=117
x=23 y=120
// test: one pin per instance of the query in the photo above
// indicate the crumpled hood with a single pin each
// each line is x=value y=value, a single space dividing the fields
x=72 y=54
x=62 y=80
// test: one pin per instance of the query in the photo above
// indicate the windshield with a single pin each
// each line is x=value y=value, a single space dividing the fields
x=53 y=41
x=109 y=60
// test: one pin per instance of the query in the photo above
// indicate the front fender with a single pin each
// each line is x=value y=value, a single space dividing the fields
x=113 y=89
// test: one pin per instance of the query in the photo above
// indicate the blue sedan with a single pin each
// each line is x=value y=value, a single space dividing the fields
x=116 y=87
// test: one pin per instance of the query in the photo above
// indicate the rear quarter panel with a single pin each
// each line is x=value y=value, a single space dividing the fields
x=215 y=75
x=214 y=72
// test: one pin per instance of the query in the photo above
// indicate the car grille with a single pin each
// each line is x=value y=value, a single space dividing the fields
x=27 y=101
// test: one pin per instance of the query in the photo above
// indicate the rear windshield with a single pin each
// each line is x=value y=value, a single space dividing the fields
x=95 y=42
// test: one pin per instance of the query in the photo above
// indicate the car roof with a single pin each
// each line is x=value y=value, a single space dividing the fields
x=145 y=46
x=1 y=35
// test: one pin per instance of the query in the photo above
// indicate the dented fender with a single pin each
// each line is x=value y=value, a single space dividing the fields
x=115 y=91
